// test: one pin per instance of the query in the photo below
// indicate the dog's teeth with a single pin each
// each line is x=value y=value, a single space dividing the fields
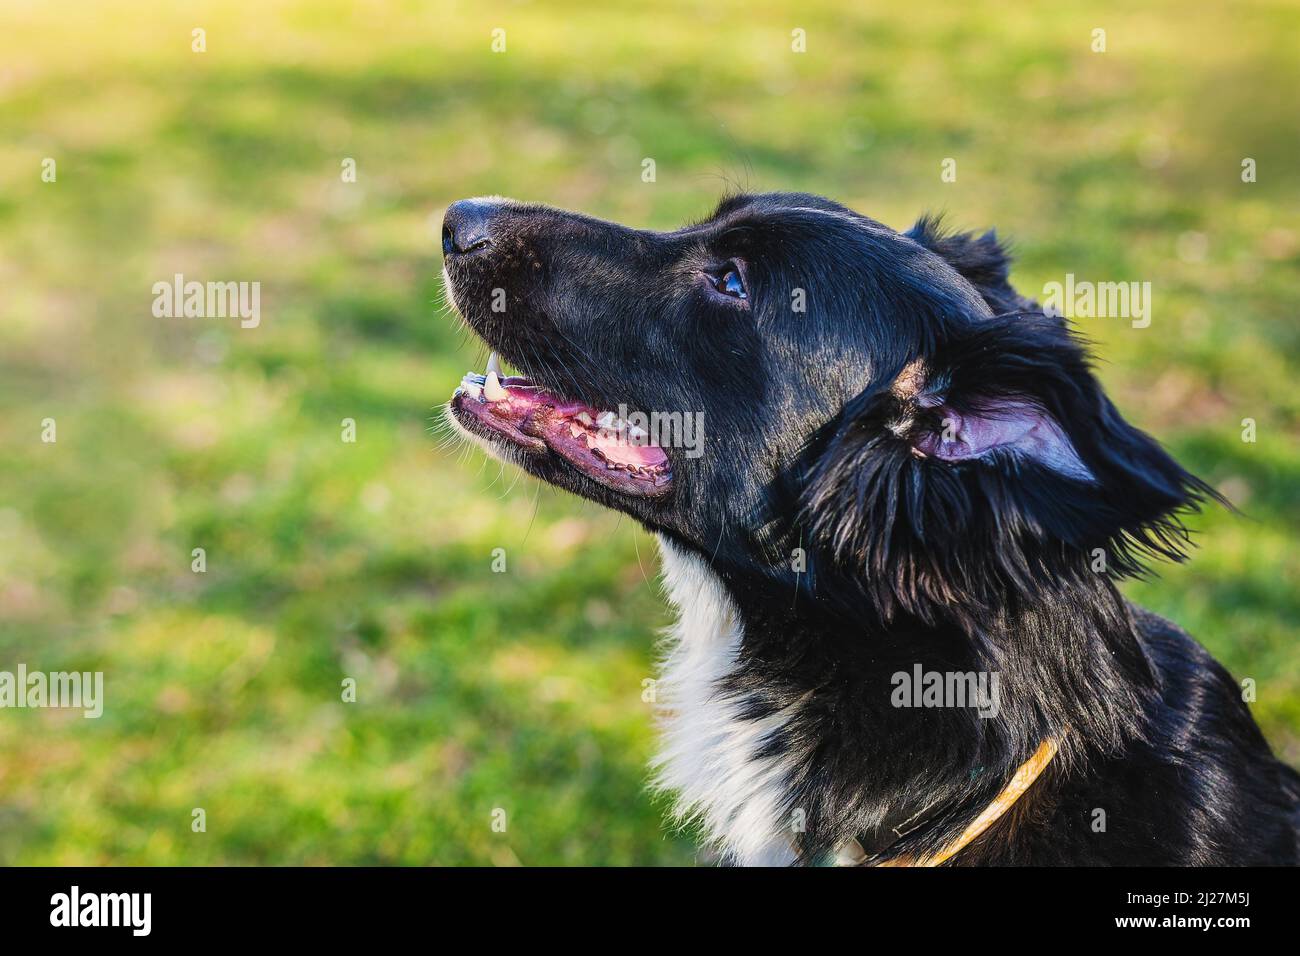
x=492 y=387
x=584 y=418
x=605 y=420
x=494 y=365
x=637 y=434
x=472 y=388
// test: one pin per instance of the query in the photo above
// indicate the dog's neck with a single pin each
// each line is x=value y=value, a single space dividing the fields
x=783 y=734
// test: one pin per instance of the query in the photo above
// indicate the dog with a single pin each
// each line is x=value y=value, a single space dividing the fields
x=909 y=483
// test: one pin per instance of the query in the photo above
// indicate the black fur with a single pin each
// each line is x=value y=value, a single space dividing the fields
x=999 y=564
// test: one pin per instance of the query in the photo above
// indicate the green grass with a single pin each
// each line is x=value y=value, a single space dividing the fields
x=371 y=560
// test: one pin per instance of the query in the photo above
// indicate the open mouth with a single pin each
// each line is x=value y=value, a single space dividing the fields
x=597 y=443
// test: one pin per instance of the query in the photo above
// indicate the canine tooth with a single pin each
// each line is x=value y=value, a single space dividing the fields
x=584 y=418
x=492 y=388
x=494 y=364
x=606 y=420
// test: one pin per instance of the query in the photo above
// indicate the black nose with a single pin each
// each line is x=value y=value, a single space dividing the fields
x=466 y=226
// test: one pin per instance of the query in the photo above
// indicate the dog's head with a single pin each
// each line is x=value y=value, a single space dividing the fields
x=789 y=374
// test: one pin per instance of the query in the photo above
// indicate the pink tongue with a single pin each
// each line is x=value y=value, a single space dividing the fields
x=616 y=447
x=621 y=450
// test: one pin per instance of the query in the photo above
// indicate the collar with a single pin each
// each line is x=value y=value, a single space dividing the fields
x=1021 y=780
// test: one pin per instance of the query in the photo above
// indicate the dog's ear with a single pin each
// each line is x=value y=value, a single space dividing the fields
x=995 y=464
x=983 y=261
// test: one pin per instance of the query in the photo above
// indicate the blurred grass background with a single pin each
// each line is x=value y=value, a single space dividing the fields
x=371 y=560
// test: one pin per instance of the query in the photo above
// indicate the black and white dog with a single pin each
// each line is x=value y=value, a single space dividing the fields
x=909 y=483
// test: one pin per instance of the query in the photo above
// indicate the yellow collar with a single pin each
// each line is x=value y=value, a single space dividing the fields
x=1025 y=775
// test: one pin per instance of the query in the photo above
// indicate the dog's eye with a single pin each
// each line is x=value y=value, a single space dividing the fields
x=728 y=282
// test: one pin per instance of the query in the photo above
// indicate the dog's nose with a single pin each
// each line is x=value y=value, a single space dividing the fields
x=466 y=226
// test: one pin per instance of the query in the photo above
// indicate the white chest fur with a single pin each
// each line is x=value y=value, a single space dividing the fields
x=708 y=755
